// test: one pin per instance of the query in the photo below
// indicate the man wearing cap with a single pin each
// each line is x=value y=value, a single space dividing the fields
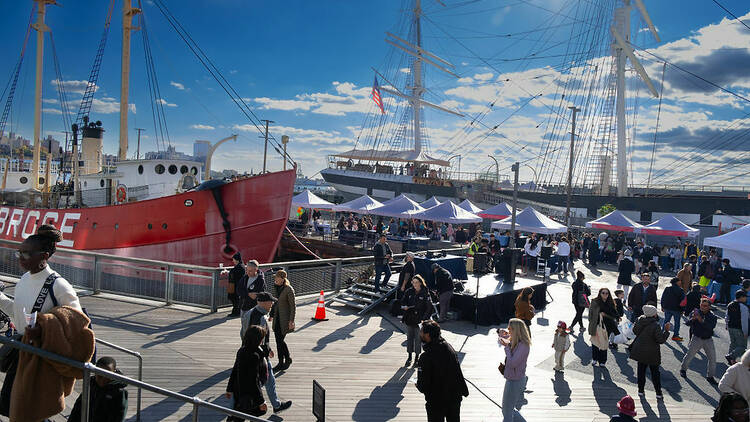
x=626 y=406
x=444 y=286
x=382 y=252
x=259 y=316
x=702 y=323
x=234 y=277
x=642 y=293
x=737 y=325
x=250 y=285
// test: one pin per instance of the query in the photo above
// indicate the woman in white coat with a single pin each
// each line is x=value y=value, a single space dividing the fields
x=737 y=378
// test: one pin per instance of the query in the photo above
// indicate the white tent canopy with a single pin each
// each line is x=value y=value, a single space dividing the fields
x=500 y=211
x=531 y=220
x=468 y=206
x=361 y=205
x=448 y=212
x=307 y=199
x=736 y=246
x=669 y=226
x=430 y=203
x=616 y=221
x=401 y=207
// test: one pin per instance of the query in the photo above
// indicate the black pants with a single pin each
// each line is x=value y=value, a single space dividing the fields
x=579 y=316
x=598 y=354
x=655 y=376
x=10 y=376
x=528 y=325
x=281 y=346
x=235 y=303
x=443 y=412
x=724 y=292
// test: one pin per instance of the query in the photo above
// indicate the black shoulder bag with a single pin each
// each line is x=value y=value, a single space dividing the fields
x=8 y=354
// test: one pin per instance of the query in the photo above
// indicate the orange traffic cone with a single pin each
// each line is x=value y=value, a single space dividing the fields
x=320 y=312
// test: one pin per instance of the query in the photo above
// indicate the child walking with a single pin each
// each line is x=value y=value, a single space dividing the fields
x=561 y=344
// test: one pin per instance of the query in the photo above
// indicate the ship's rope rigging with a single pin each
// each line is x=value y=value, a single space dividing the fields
x=10 y=87
x=158 y=114
x=219 y=77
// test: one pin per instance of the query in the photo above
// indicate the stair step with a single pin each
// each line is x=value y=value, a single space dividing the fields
x=350 y=303
x=370 y=293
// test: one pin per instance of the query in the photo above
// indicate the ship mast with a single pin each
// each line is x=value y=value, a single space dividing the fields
x=40 y=28
x=622 y=52
x=127 y=26
x=417 y=89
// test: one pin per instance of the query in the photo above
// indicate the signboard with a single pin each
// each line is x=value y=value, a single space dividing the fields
x=319 y=402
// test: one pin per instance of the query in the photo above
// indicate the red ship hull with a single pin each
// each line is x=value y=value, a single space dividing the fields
x=186 y=228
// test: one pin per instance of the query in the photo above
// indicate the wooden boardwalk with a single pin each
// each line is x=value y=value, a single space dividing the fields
x=359 y=362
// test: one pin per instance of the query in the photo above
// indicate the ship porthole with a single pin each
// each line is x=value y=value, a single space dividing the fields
x=101 y=183
x=41 y=180
x=183 y=169
x=194 y=170
x=23 y=180
x=159 y=169
x=140 y=169
x=117 y=226
x=164 y=226
x=173 y=169
x=93 y=225
x=150 y=226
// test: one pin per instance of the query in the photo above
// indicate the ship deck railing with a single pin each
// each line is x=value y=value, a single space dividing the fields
x=181 y=284
x=88 y=369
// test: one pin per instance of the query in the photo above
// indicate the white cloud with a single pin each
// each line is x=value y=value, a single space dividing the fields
x=177 y=85
x=50 y=101
x=405 y=70
x=202 y=127
x=109 y=105
x=73 y=87
x=162 y=101
x=285 y=105
x=348 y=98
x=51 y=110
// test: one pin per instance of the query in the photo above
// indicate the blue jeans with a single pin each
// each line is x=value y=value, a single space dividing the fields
x=382 y=269
x=512 y=394
x=271 y=387
x=676 y=315
x=563 y=264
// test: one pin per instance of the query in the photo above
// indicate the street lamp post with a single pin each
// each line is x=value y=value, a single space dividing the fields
x=497 y=169
x=459 y=162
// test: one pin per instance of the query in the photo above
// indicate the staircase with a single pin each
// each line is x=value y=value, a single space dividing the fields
x=362 y=295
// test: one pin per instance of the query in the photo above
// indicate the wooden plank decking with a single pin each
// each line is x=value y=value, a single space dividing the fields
x=359 y=362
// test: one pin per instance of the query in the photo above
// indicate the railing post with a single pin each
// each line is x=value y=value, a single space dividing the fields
x=140 y=378
x=97 y=287
x=337 y=277
x=85 y=393
x=196 y=407
x=214 y=288
x=168 y=294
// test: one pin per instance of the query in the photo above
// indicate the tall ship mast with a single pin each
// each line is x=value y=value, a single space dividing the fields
x=392 y=155
x=164 y=208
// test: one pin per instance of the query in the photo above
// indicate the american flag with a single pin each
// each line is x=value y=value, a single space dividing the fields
x=376 y=95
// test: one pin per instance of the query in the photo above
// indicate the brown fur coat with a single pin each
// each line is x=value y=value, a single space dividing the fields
x=41 y=386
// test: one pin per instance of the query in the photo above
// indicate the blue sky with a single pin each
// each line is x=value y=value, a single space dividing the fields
x=307 y=66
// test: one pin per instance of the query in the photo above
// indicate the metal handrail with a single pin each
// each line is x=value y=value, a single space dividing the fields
x=88 y=368
x=140 y=370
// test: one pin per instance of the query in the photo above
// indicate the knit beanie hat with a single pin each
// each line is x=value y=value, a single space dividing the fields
x=649 y=310
x=626 y=406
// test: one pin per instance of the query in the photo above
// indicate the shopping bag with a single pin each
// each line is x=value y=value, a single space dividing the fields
x=626 y=329
x=600 y=339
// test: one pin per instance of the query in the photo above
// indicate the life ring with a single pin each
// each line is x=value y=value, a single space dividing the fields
x=121 y=193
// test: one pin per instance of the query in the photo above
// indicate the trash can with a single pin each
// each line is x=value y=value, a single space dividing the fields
x=510 y=261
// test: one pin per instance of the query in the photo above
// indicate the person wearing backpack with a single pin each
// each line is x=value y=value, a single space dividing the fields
x=30 y=296
x=581 y=301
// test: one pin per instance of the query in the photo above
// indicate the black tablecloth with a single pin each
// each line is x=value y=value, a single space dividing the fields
x=456 y=265
x=496 y=309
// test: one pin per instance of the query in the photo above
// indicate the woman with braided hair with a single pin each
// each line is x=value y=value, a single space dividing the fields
x=33 y=255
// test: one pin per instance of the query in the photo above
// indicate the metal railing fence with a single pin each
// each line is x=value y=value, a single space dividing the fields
x=88 y=368
x=140 y=370
x=175 y=283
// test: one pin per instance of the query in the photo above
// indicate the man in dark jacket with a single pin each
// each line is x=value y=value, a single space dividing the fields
x=250 y=285
x=234 y=277
x=444 y=286
x=737 y=325
x=642 y=293
x=693 y=299
x=439 y=376
x=726 y=276
x=382 y=253
x=494 y=245
x=108 y=399
x=702 y=323
x=670 y=304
